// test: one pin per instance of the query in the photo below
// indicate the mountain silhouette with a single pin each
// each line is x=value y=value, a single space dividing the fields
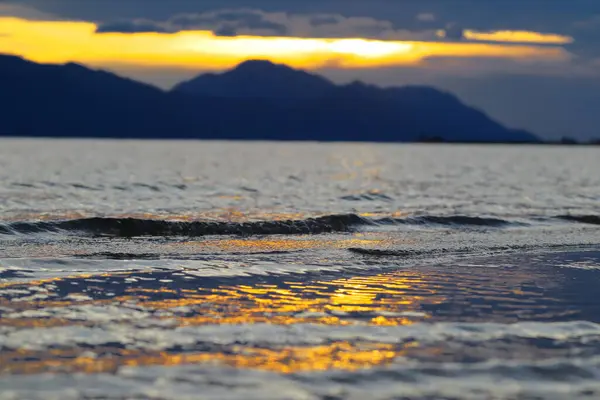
x=256 y=100
x=72 y=100
x=258 y=78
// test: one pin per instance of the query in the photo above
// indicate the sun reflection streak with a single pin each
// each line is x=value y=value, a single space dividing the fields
x=378 y=299
x=279 y=244
x=339 y=355
x=170 y=303
x=372 y=300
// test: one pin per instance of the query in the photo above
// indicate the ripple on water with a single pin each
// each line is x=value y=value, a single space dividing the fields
x=125 y=291
x=422 y=326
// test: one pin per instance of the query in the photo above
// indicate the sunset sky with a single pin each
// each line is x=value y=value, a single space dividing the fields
x=530 y=64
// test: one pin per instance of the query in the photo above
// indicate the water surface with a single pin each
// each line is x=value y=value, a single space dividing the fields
x=174 y=270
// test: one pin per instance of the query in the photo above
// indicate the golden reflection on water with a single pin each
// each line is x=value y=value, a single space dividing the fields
x=277 y=244
x=395 y=298
x=367 y=300
x=338 y=355
x=376 y=300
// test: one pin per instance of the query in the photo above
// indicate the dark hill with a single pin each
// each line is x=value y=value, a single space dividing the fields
x=71 y=100
x=256 y=100
x=258 y=78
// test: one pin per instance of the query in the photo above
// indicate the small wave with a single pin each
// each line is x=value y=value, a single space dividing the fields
x=121 y=256
x=462 y=220
x=584 y=219
x=386 y=252
x=131 y=227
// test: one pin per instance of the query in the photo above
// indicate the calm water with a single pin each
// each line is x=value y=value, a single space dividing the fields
x=175 y=270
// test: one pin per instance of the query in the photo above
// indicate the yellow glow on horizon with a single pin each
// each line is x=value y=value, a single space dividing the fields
x=518 y=37
x=68 y=41
x=366 y=48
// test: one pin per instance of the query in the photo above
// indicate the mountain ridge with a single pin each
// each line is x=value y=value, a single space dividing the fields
x=257 y=78
x=257 y=100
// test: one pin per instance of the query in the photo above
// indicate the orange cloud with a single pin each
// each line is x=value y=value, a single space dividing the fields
x=64 y=41
x=518 y=37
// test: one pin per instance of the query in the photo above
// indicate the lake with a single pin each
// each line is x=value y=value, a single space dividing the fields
x=262 y=270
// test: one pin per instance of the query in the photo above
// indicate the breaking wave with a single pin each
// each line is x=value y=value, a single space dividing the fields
x=134 y=227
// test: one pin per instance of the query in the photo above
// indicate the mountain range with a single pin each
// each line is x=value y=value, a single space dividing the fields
x=255 y=100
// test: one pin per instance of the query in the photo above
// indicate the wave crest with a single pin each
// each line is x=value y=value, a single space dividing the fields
x=132 y=227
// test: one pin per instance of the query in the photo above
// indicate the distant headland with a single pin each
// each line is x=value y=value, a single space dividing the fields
x=257 y=100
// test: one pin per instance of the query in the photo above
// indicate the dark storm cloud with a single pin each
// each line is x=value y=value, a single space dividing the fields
x=262 y=23
x=222 y=22
x=133 y=26
x=478 y=14
x=556 y=16
x=454 y=32
x=551 y=16
x=232 y=19
x=401 y=13
x=320 y=20
x=227 y=30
